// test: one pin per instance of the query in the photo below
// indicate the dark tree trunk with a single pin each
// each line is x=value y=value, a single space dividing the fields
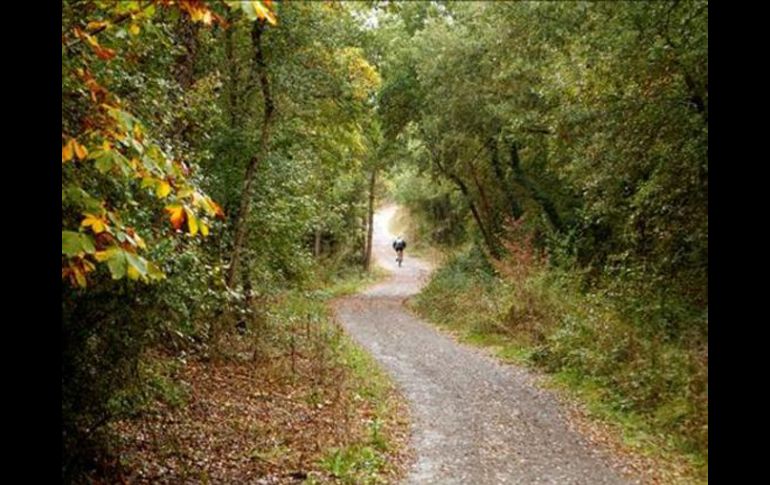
x=233 y=75
x=251 y=170
x=504 y=181
x=536 y=192
x=489 y=241
x=370 y=221
x=184 y=72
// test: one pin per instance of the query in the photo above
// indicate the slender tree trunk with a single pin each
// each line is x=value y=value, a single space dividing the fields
x=536 y=192
x=251 y=170
x=233 y=74
x=370 y=222
x=317 y=245
x=504 y=181
x=488 y=212
x=184 y=72
x=488 y=240
x=187 y=33
x=490 y=243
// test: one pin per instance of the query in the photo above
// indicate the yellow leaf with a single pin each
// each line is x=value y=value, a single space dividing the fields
x=192 y=222
x=79 y=277
x=132 y=272
x=139 y=241
x=204 y=229
x=92 y=41
x=196 y=14
x=94 y=25
x=134 y=29
x=184 y=193
x=103 y=256
x=263 y=12
x=96 y=224
x=162 y=189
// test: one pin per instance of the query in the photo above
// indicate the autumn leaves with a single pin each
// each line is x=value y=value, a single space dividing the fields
x=109 y=160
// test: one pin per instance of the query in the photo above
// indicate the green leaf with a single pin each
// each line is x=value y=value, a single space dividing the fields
x=149 y=163
x=123 y=163
x=74 y=243
x=154 y=271
x=80 y=199
x=104 y=161
x=117 y=265
x=127 y=6
x=249 y=10
x=234 y=4
x=139 y=263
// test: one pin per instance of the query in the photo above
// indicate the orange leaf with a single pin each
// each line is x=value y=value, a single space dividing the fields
x=67 y=151
x=80 y=150
x=104 y=53
x=176 y=215
x=217 y=209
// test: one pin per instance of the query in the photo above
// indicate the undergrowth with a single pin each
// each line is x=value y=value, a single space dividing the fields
x=293 y=398
x=652 y=385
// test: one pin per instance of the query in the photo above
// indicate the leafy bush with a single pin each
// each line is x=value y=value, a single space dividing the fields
x=588 y=334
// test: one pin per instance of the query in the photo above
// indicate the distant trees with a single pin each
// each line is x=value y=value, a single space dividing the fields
x=589 y=120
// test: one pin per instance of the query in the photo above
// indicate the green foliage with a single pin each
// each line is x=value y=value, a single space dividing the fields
x=161 y=115
x=584 y=124
x=438 y=212
x=365 y=460
x=545 y=319
x=587 y=120
x=576 y=137
x=356 y=464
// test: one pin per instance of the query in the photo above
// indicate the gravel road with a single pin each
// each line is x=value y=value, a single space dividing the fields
x=475 y=421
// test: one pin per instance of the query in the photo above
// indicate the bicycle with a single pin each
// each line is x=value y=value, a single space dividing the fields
x=399 y=245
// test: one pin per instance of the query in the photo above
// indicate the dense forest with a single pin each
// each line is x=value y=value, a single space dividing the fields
x=222 y=161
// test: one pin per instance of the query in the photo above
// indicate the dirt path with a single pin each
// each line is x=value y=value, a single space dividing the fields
x=475 y=421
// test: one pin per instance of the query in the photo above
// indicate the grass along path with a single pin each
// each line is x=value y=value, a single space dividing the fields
x=463 y=300
x=311 y=408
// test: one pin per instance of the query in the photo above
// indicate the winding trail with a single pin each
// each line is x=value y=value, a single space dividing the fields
x=475 y=421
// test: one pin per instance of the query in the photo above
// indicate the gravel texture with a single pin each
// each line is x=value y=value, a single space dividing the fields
x=475 y=421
